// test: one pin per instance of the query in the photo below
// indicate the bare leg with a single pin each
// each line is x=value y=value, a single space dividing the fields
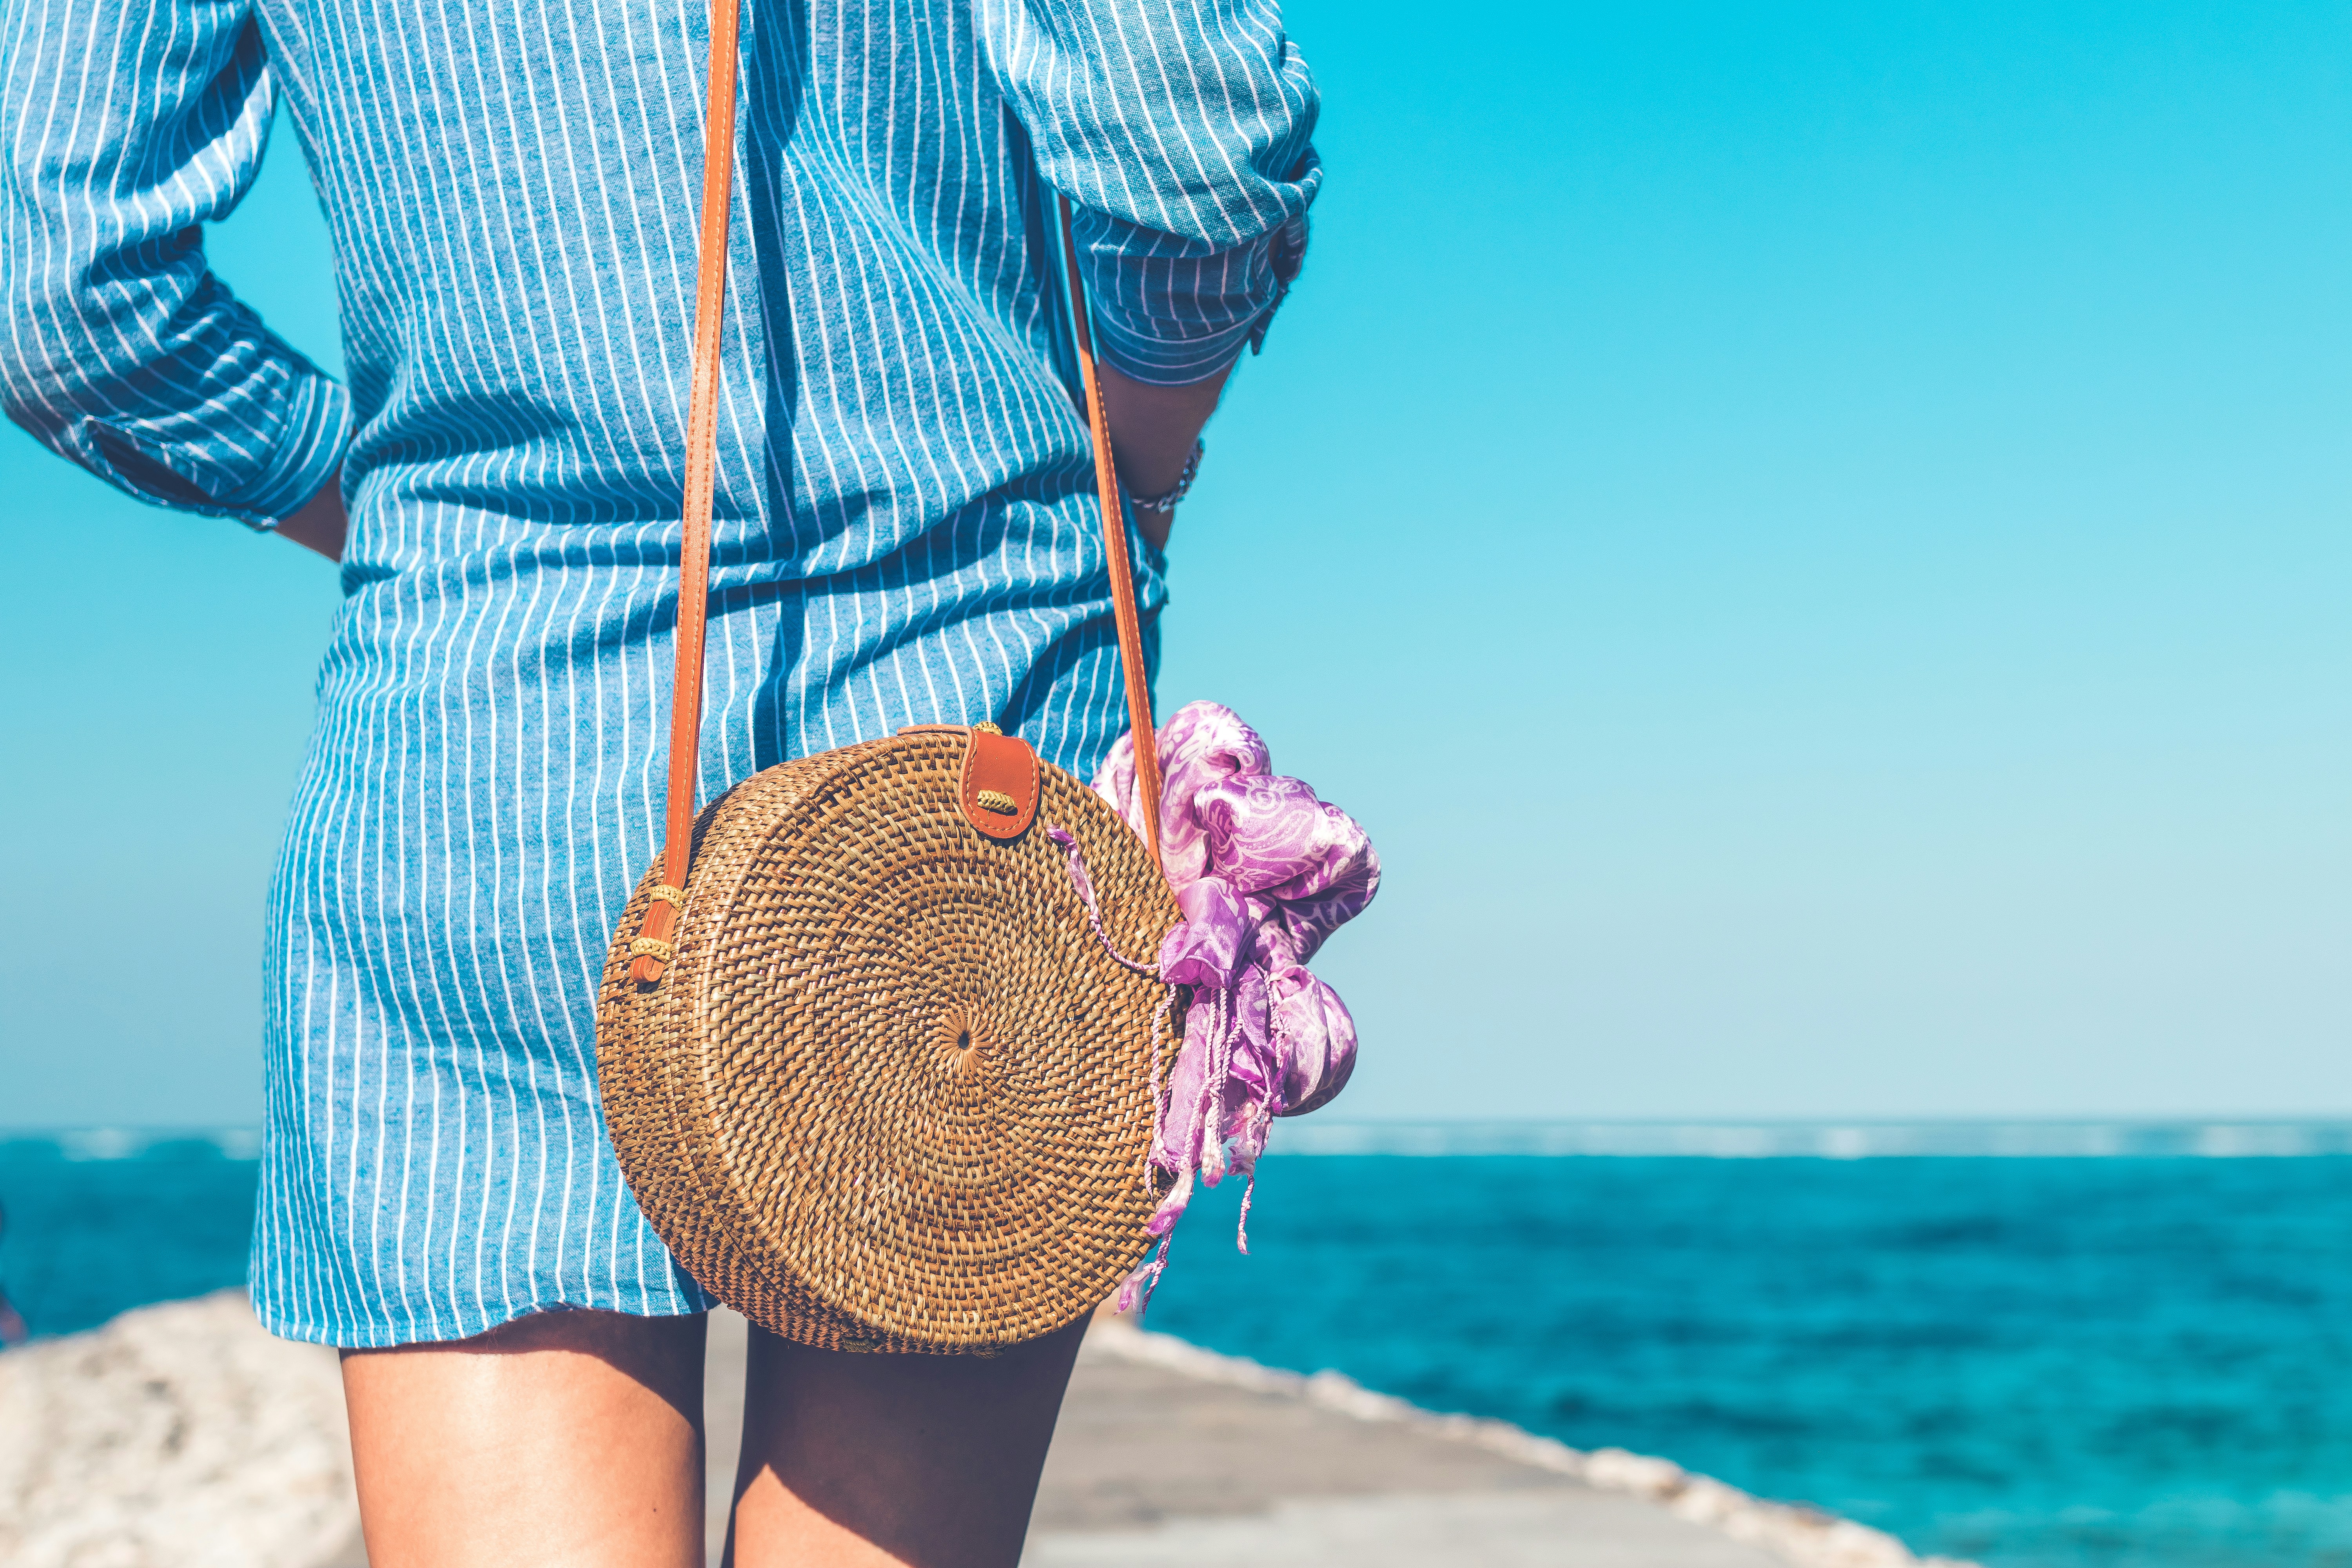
x=858 y=1461
x=569 y=1438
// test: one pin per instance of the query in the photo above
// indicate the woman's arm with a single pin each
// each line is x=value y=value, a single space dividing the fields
x=1182 y=135
x=1153 y=429
x=128 y=124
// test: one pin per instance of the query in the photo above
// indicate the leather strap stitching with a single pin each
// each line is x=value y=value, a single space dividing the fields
x=701 y=462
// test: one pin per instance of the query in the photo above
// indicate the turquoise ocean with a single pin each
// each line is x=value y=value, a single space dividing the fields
x=2034 y=1346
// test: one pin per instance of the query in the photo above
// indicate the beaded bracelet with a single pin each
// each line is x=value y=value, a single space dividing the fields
x=1166 y=499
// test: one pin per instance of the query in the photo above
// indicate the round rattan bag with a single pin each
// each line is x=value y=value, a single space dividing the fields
x=890 y=1091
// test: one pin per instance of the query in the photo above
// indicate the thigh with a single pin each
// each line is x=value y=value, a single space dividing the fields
x=856 y=1461
x=570 y=1438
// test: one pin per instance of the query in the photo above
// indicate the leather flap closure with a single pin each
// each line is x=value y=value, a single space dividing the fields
x=999 y=790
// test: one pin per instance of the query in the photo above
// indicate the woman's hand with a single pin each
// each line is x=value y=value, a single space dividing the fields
x=321 y=522
x=1153 y=429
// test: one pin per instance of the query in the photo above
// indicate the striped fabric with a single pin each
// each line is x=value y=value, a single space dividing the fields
x=903 y=491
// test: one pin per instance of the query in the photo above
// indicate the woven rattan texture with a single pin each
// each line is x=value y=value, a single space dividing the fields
x=892 y=1094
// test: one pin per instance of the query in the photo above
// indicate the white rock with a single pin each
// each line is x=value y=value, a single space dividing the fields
x=1616 y=1471
x=1705 y=1501
x=1338 y=1391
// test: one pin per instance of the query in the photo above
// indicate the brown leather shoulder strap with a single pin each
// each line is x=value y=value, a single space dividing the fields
x=701 y=457
x=1122 y=568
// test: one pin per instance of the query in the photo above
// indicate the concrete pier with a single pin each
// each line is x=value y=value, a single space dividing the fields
x=185 y=1436
x=1171 y=1457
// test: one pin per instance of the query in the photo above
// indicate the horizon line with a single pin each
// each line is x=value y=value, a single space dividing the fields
x=1843 y=1137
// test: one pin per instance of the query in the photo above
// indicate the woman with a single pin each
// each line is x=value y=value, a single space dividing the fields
x=903 y=535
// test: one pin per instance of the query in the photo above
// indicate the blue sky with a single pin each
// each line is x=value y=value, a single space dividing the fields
x=1814 y=536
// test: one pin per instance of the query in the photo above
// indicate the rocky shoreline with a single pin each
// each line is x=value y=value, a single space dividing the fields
x=185 y=1435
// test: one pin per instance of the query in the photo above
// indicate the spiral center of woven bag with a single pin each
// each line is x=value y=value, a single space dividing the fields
x=960 y=1042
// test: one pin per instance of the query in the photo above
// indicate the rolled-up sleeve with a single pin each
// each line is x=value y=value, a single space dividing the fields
x=1183 y=133
x=128 y=124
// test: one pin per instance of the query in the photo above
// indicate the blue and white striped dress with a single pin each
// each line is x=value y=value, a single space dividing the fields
x=903 y=493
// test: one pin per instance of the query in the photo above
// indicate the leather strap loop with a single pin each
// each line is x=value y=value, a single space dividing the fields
x=701 y=458
x=998 y=790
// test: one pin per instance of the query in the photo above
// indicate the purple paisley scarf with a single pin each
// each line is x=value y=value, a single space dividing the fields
x=1263 y=872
